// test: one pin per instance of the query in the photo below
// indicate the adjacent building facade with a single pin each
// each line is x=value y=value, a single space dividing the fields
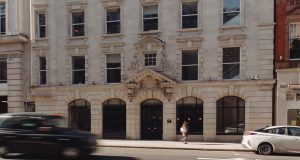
x=14 y=54
x=287 y=60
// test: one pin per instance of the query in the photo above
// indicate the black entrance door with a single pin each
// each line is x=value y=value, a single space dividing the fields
x=151 y=120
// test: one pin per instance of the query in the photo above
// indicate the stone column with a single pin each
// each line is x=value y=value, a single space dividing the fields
x=133 y=122
x=96 y=119
x=15 y=84
x=209 y=120
x=169 y=114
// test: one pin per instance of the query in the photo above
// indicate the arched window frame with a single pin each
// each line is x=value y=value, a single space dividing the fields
x=87 y=105
x=233 y=129
x=194 y=129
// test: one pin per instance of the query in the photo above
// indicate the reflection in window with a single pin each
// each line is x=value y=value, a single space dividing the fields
x=150 y=59
x=113 y=68
x=231 y=12
x=2 y=19
x=80 y=115
x=293 y=117
x=77 y=24
x=230 y=115
x=78 y=70
x=231 y=63
x=113 y=21
x=3 y=70
x=150 y=18
x=189 y=65
x=294 y=39
x=190 y=109
x=189 y=15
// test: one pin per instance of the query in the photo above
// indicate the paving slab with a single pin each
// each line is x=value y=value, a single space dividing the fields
x=214 y=146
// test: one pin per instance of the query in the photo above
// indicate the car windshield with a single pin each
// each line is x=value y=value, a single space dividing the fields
x=2 y=120
x=56 y=121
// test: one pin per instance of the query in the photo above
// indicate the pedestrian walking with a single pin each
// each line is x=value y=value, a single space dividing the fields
x=184 y=130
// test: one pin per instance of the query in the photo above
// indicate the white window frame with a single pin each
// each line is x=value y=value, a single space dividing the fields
x=106 y=21
x=5 y=15
x=75 y=70
x=42 y=70
x=38 y=24
x=291 y=37
x=232 y=62
x=181 y=16
x=71 y=22
x=190 y=65
x=158 y=22
x=241 y=14
x=144 y=59
x=106 y=69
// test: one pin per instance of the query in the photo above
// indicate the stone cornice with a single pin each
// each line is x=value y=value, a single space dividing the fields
x=235 y=37
x=19 y=38
x=111 y=3
x=230 y=82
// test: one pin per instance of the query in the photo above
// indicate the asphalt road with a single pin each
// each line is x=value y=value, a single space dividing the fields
x=168 y=154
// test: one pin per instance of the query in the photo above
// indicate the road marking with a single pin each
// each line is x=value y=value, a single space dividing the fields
x=221 y=158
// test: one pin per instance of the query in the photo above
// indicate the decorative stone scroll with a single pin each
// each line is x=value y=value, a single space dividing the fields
x=149 y=80
x=149 y=44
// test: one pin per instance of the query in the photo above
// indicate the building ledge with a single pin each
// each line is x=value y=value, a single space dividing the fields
x=18 y=38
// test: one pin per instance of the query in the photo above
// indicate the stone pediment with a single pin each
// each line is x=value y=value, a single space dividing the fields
x=149 y=80
x=150 y=43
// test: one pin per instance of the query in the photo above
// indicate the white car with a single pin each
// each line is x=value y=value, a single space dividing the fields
x=279 y=139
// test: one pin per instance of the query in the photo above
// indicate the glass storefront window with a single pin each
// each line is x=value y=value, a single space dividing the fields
x=294 y=117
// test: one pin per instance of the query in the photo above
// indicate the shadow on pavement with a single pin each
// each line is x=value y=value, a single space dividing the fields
x=92 y=157
x=286 y=154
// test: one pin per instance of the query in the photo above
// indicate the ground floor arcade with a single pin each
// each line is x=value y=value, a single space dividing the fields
x=215 y=111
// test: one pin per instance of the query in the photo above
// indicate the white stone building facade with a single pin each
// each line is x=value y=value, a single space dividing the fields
x=136 y=69
x=14 y=54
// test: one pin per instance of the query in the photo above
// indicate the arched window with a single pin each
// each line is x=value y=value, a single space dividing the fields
x=80 y=115
x=230 y=115
x=114 y=119
x=3 y=104
x=190 y=109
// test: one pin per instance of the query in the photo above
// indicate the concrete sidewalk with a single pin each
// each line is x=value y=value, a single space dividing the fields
x=172 y=145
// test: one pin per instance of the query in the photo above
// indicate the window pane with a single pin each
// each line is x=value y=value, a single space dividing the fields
x=150 y=24
x=231 y=18
x=150 y=59
x=293 y=117
x=43 y=77
x=189 y=57
x=3 y=71
x=113 y=75
x=42 y=19
x=42 y=63
x=189 y=72
x=42 y=33
x=189 y=8
x=113 y=27
x=78 y=77
x=190 y=22
x=295 y=48
x=2 y=24
x=78 y=30
x=78 y=62
x=231 y=5
x=150 y=11
x=231 y=55
x=294 y=131
x=230 y=102
x=113 y=14
x=231 y=71
x=77 y=17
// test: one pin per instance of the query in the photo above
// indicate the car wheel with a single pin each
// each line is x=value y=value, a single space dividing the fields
x=3 y=151
x=265 y=149
x=70 y=153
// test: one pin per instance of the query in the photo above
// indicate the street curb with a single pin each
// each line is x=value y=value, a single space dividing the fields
x=200 y=149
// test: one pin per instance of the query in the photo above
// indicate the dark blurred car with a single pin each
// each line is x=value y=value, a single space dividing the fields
x=43 y=134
